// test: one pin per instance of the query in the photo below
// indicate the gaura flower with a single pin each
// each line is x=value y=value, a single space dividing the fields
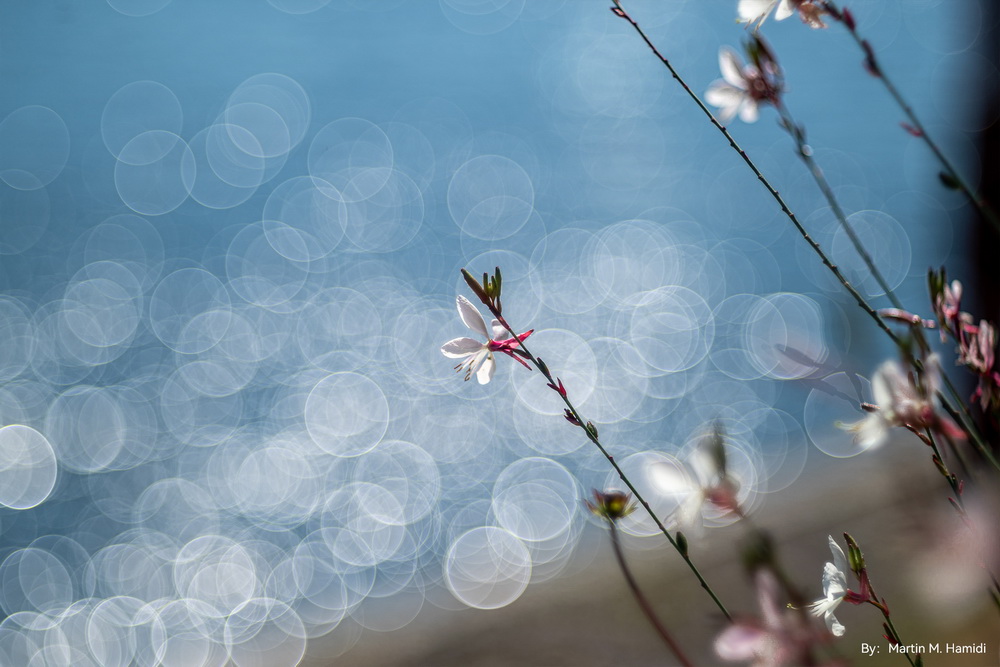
x=778 y=637
x=901 y=401
x=478 y=357
x=709 y=485
x=755 y=12
x=742 y=88
x=834 y=589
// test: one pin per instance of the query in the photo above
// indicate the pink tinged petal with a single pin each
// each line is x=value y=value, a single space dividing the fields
x=768 y=598
x=748 y=112
x=457 y=348
x=740 y=641
x=732 y=68
x=470 y=315
x=485 y=372
x=785 y=9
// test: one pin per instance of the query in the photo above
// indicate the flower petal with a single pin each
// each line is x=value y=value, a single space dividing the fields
x=485 y=372
x=499 y=333
x=740 y=641
x=470 y=315
x=754 y=10
x=731 y=67
x=785 y=9
x=748 y=112
x=727 y=98
x=834 y=625
x=457 y=348
x=839 y=559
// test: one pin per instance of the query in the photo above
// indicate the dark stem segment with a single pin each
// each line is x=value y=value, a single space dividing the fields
x=862 y=303
x=647 y=608
x=875 y=68
x=591 y=434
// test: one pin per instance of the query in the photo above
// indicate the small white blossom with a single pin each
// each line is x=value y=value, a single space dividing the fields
x=834 y=589
x=741 y=90
x=478 y=357
x=901 y=402
x=755 y=12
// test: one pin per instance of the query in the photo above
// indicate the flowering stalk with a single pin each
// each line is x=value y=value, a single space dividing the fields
x=862 y=303
x=856 y=559
x=573 y=416
x=950 y=177
x=612 y=506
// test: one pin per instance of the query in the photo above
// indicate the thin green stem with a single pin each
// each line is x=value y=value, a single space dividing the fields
x=593 y=437
x=647 y=608
x=862 y=303
x=976 y=199
x=797 y=134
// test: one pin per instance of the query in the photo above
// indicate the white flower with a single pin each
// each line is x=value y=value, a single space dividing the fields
x=711 y=483
x=478 y=357
x=741 y=89
x=901 y=402
x=834 y=589
x=757 y=11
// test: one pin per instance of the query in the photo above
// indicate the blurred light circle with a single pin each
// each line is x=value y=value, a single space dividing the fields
x=346 y=414
x=887 y=244
x=836 y=399
x=24 y=216
x=265 y=633
x=27 y=467
x=536 y=499
x=311 y=208
x=189 y=310
x=136 y=8
x=487 y=568
x=34 y=147
x=490 y=197
x=155 y=172
x=786 y=336
x=482 y=17
x=136 y=108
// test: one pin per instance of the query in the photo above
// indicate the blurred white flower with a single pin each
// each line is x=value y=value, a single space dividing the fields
x=901 y=401
x=778 y=637
x=478 y=357
x=755 y=12
x=741 y=90
x=834 y=589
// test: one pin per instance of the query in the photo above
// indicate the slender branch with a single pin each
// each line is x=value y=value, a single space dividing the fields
x=862 y=303
x=796 y=132
x=647 y=608
x=875 y=68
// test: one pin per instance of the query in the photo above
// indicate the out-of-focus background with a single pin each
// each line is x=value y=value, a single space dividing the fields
x=230 y=236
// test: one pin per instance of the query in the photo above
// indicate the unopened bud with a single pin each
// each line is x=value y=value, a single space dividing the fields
x=682 y=544
x=855 y=558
